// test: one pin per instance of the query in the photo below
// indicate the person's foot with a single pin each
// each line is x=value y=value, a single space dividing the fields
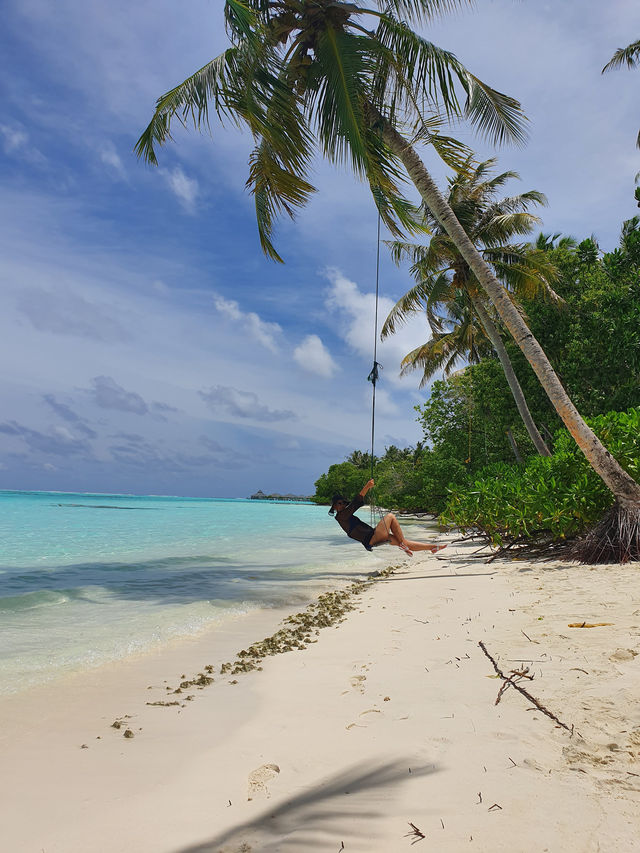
x=405 y=548
x=435 y=548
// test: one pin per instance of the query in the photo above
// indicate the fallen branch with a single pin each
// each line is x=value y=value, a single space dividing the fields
x=416 y=833
x=512 y=681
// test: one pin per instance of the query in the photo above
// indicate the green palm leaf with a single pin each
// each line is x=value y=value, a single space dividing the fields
x=629 y=56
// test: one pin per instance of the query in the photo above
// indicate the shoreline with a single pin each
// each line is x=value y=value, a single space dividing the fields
x=387 y=721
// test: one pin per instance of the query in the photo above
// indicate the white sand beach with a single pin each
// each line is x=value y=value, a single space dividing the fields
x=381 y=736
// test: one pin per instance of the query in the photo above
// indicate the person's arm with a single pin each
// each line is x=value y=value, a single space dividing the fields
x=366 y=488
x=355 y=504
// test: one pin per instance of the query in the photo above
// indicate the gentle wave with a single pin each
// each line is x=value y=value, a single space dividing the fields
x=33 y=600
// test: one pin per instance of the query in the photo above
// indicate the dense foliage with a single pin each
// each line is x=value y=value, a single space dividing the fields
x=470 y=421
x=550 y=497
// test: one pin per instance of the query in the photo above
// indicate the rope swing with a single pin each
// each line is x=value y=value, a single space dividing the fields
x=375 y=370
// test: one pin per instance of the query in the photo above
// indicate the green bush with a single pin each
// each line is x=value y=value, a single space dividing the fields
x=345 y=478
x=554 y=497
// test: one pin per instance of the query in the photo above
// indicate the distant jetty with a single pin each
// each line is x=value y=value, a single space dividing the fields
x=260 y=496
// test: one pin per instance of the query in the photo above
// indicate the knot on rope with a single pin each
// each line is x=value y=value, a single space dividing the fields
x=375 y=373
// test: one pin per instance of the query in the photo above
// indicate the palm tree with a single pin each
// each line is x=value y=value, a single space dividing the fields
x=629 y=56
x=461 y=322
x=307 y=73
x=547 y=242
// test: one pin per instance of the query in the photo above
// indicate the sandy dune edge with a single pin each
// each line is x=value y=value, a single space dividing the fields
x=388 y=720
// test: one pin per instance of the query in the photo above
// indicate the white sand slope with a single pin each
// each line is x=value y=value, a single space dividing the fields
x=382 y=732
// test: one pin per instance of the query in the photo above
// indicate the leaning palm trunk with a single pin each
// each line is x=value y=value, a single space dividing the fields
x=617 y=526
x=496 y=341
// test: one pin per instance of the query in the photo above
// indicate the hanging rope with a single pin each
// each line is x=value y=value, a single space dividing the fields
x=468 y=459
x=375 y=370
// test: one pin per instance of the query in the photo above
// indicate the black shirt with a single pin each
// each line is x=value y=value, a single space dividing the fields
x=352 y=525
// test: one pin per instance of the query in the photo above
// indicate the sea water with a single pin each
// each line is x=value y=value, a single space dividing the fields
x=91 y=578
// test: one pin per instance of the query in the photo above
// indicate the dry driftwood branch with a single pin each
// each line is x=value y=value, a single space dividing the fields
x=512 y=681
x=416 y=833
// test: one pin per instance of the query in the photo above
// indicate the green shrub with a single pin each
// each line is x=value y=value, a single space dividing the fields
x=554 y=497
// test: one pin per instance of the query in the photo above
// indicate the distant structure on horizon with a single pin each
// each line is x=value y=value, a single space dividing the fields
x=260 y=496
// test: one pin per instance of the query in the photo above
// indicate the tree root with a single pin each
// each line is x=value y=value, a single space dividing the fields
x=615 y=539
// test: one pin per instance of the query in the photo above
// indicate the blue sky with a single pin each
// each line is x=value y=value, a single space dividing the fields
x=146 y=344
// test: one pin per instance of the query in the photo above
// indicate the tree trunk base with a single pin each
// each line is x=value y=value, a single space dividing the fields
x=615 y=539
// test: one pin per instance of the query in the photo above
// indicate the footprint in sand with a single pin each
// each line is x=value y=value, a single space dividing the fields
x=364 y=714
x=258 y=778
x=623 y=655
x=357 y=682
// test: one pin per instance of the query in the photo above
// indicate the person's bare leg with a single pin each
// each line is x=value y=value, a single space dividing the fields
x=423 y=546
x=388 y=530
x=415 y=546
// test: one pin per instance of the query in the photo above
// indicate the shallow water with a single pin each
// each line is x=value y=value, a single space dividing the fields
x=86 y=579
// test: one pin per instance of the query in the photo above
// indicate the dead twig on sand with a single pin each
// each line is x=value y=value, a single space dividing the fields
x=512 y=681
x=416 y=833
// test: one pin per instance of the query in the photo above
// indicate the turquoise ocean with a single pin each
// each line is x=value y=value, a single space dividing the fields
x=87 y=579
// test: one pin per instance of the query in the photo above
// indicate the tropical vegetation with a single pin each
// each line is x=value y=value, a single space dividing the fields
x=466 y=467
x=462 y=325
x=549 y=499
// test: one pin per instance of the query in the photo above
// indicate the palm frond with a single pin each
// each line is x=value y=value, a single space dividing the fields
x=497 y=116
x=415 y=65
x=213 y=82
x=340 y=98
x=629 y=56
x=240 y=20
x=421 y=10
x=432 y=356
x=413 y=302
x=501 y=227
x=275 y=189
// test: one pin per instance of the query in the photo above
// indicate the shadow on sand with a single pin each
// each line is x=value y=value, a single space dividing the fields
x=323 y=817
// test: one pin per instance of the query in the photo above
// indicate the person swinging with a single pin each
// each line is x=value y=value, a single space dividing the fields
x=387 y=530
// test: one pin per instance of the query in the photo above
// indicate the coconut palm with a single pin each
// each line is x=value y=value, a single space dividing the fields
x=629 y=56
x=345 y=79
x=446 y=289
x=547 y=242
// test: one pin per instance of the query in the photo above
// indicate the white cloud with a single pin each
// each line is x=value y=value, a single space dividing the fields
x=111 y=158
x=260 y=330
x=16 y=143
x=384 y=403
x=356 y=313
x=185 y=189
x=312 y=355
x=13 y=138
x=64 y=433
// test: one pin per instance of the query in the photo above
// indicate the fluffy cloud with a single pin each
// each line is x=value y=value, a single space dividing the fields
x=264 y=333
x=312 y=355
x=185 y=189
x=243 y=404
x=355 y=311
x=108 y=394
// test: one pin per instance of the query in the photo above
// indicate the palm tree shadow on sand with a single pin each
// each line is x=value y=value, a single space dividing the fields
x=323 y=817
